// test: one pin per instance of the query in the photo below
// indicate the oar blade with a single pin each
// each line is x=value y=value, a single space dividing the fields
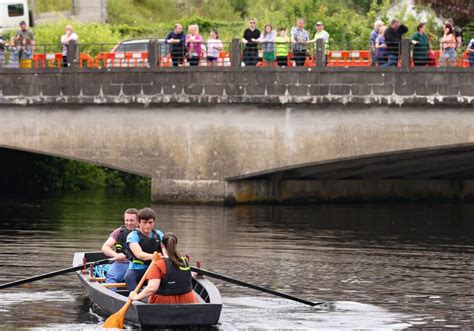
x=117 y=320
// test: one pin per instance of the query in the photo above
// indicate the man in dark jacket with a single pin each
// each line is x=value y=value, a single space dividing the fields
x=393 y=39
x=176 y=39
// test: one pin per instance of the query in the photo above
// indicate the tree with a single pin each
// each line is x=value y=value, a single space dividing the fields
x=461 y=11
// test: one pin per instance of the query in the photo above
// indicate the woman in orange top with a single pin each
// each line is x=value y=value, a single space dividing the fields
x=170 y=279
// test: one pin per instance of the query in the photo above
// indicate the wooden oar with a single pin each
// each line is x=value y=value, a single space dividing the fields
x=252 y=286
x=117 y=320
x=53 y=273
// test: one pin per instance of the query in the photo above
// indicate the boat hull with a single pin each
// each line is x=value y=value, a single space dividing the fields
x=206 y=313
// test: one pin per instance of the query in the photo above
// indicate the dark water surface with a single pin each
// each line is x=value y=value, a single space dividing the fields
x=380 y=266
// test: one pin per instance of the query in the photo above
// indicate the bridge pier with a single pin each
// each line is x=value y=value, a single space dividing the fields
x=182 y=191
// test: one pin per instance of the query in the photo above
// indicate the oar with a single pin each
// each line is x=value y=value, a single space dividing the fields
x=117 y=320
x=53 y=273
x=255 y=287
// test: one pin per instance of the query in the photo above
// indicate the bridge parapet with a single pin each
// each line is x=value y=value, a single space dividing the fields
x=265 y=86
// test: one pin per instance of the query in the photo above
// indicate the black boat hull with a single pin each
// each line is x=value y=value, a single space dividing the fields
x=206 y=313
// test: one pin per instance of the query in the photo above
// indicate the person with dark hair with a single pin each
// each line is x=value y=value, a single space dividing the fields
x=213 y=47
x=267 y=39
x=448 y=46
x=142 y=243
x=421 y=46
x=170 y=278
x=115 y=246
x=176 y=39
x=250 y=39
x=24 y=32
x=393 y=39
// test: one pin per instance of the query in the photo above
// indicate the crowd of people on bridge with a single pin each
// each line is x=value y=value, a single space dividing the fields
x=277 y=45
x=133 y=245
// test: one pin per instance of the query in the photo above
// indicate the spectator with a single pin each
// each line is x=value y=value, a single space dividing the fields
x=3 y=48
x=268 y=42
x=299 y=39
x=26 y=55
x=421 y=46
x=322 y=34
x=381 y=47
x=457 y=33
x=282 y=47
x=213 y=46
x=448 y=46
x=393 y=39
x=15 y=51
x=373 y=37
x=193 y=45
x=24 y=32
x=176 y=40
x=65 y=39
x=251 y=36
x=470 y=50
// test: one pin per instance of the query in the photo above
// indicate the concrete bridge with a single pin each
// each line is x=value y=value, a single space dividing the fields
x=209 y=135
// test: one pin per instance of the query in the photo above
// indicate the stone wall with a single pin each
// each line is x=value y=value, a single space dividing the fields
x=265 y=86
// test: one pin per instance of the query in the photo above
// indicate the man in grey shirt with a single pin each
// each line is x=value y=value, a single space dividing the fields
x=25 y=32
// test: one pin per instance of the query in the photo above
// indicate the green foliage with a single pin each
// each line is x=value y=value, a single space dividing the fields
x=43 y=6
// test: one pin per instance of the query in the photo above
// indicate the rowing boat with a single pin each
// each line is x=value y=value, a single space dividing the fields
x=205 y=313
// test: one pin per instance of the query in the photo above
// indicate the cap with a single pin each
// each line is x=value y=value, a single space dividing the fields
x=319 y=23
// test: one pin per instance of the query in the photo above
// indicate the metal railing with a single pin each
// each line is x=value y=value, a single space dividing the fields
x=205 y=54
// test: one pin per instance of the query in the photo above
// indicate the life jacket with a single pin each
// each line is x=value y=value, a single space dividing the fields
x=121 y=244
x=148 y=245
x=177 y=280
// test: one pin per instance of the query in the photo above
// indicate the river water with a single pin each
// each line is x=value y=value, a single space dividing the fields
x=384 y=266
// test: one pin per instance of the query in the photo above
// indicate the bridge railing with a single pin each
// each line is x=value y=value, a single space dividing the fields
x=235 y=54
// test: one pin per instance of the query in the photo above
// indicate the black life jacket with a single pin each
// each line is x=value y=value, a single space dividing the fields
x=121 y=244
x=148 y=245
x=177 y=280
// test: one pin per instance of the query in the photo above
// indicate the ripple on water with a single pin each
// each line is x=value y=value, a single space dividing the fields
x=269 y=313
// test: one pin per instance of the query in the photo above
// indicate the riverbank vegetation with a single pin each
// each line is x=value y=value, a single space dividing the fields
x=28 y=173
x=346 y=20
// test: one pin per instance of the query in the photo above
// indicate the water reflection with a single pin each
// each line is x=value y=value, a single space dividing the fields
x=390 y=265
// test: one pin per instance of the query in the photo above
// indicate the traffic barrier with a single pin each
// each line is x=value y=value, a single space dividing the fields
x=351 y=58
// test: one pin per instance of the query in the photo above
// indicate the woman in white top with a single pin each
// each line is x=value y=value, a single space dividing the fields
x=214 y=46
x=65 y=39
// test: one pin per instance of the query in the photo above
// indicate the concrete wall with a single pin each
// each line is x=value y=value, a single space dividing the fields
x=264 y=86
x=189 y=151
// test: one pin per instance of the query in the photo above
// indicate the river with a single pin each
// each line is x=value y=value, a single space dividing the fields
x=390 y=266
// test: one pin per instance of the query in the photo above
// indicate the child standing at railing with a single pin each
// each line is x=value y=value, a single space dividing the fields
x=268 y=43
x=282 y=47
x=214 y=46
x=26 y=56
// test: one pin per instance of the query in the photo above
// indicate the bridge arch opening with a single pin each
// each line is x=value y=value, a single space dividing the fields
x=29 y=173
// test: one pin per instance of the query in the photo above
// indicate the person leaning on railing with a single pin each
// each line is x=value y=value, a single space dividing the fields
x=268 y=43
x=250 y=38
x=421 y=46
x=299 y=39
x=393 y=38
x=67 y=37
x=324 y=35
x=213 y=47
x=193 y=45
x=282 y=47
x=176 y=40
x=373 y=38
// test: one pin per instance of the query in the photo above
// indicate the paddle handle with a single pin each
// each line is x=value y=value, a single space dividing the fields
x=252 y=286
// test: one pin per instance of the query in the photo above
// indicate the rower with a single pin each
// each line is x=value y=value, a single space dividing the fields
x=115 y=246
x=170 y=279
x=142 y=243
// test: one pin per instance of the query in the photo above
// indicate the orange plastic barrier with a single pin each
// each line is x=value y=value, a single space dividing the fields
x=47 y=60
x=349 y=59
x=121 y=60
